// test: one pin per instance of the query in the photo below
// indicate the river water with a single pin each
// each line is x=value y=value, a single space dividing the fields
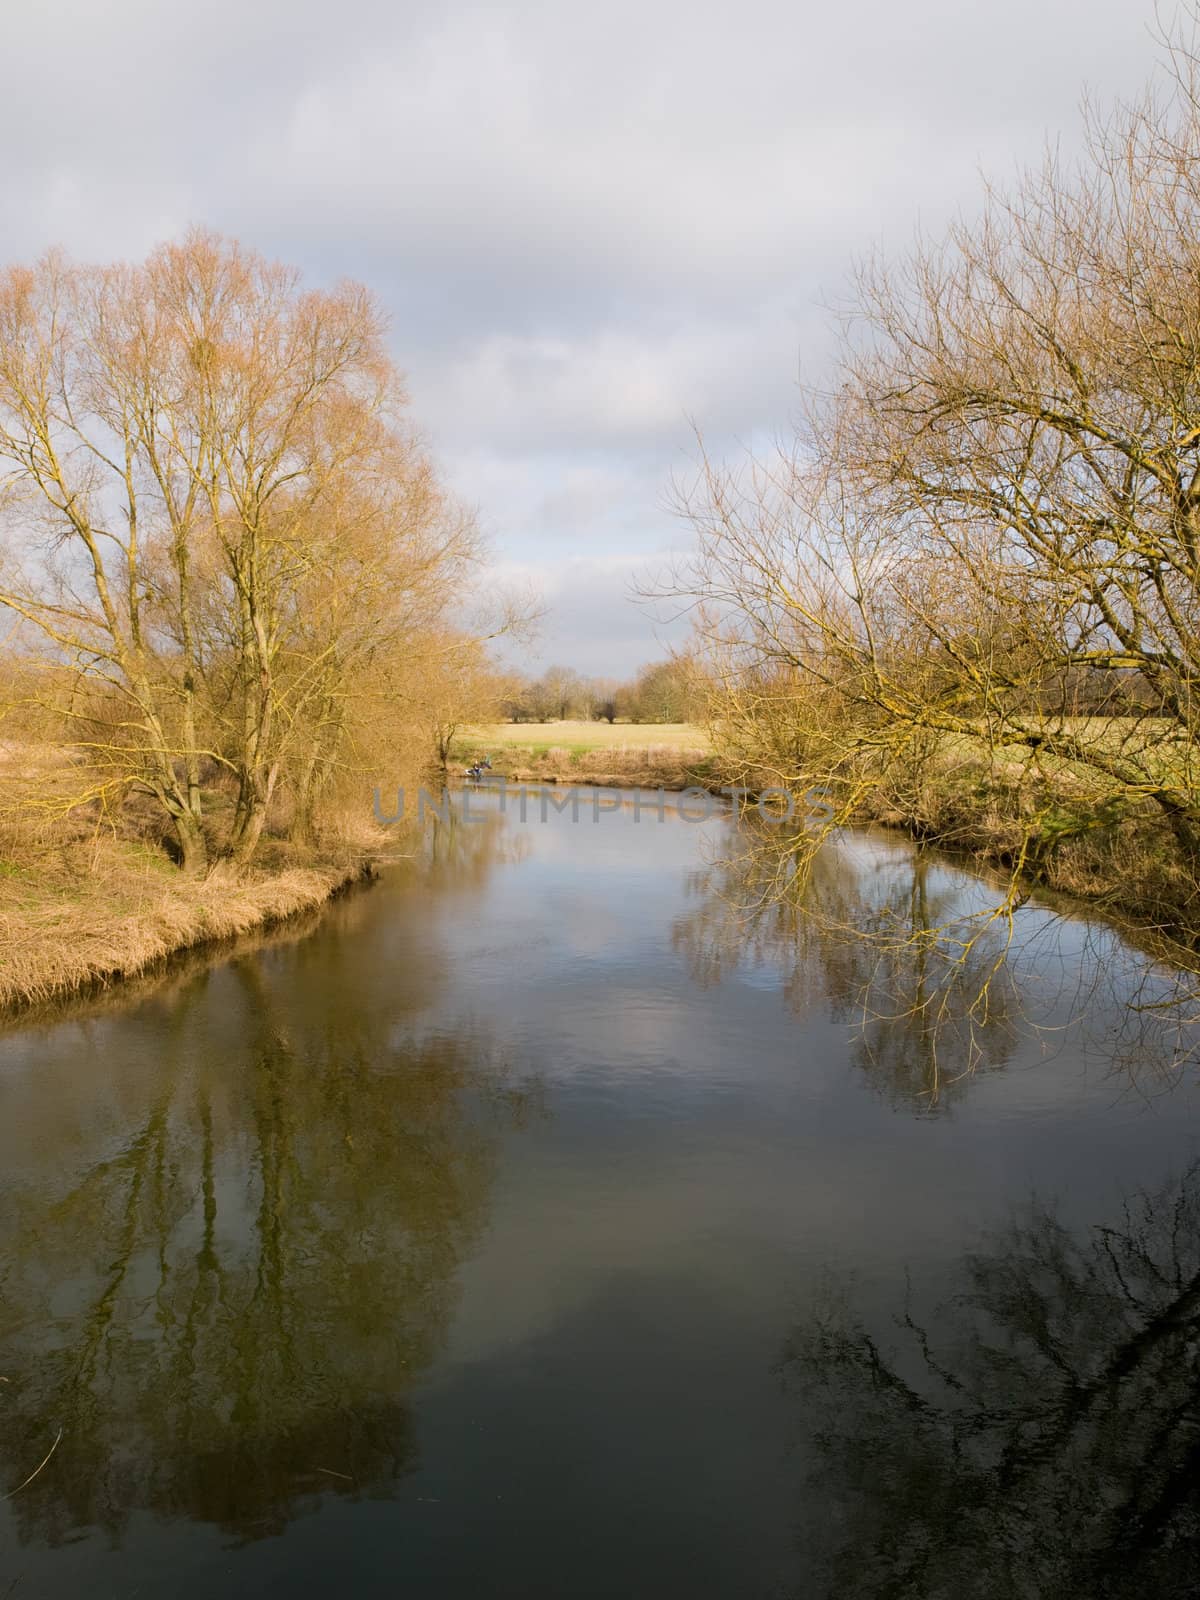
x=581 y=1211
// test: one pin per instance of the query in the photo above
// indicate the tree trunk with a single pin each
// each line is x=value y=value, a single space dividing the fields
x=247 y=829
x=193 y=848
x=301 y=831
x=254 y=799
x=313 y=781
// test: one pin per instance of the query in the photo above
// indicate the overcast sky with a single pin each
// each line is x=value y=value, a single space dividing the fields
x=589 y=224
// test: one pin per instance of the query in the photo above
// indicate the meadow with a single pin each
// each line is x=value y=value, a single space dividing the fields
x=642 y=755
x=578 y=737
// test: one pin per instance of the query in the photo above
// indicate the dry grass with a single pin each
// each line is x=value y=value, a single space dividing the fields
x=88 y=897
x=625 y=755
x=74 y=924
x=661 y=768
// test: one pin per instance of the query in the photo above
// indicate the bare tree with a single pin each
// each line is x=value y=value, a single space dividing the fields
x=998 y=502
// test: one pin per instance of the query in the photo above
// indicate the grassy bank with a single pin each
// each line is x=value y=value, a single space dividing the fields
x=87 y=898
x=1053 y=826
x=74 y=920
x=620 y=755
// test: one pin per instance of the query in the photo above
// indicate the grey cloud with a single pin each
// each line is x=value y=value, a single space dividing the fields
x=595 y=620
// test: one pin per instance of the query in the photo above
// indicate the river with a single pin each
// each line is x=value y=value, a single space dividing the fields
x=567 y=1215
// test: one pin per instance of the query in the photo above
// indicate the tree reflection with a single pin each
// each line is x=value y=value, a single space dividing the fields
x=882 y=936
x=1040 y=1437
x=471 y=838
x=228 y=1309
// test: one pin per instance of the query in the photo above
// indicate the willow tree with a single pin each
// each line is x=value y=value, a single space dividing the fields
x=214 y=509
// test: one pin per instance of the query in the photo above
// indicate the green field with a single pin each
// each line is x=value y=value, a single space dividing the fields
x=579 y=738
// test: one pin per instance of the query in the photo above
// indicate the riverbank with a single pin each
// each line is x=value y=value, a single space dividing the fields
x=82 y=911
x=1055 y=832
x=672 y=756
x=86 y=915
x=70 y=924
x=1051 y=825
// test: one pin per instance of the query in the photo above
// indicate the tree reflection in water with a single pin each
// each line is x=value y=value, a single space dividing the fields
x=227 y=1310
x=1040 y=1436
x=882 y=937
x=940 y=977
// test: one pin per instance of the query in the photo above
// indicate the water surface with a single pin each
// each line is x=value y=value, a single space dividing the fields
x=543 y=1222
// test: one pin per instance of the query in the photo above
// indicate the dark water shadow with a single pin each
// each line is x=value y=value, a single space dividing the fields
x=1035 y=1433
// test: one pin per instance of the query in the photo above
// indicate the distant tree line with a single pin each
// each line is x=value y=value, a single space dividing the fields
x=662 y=691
